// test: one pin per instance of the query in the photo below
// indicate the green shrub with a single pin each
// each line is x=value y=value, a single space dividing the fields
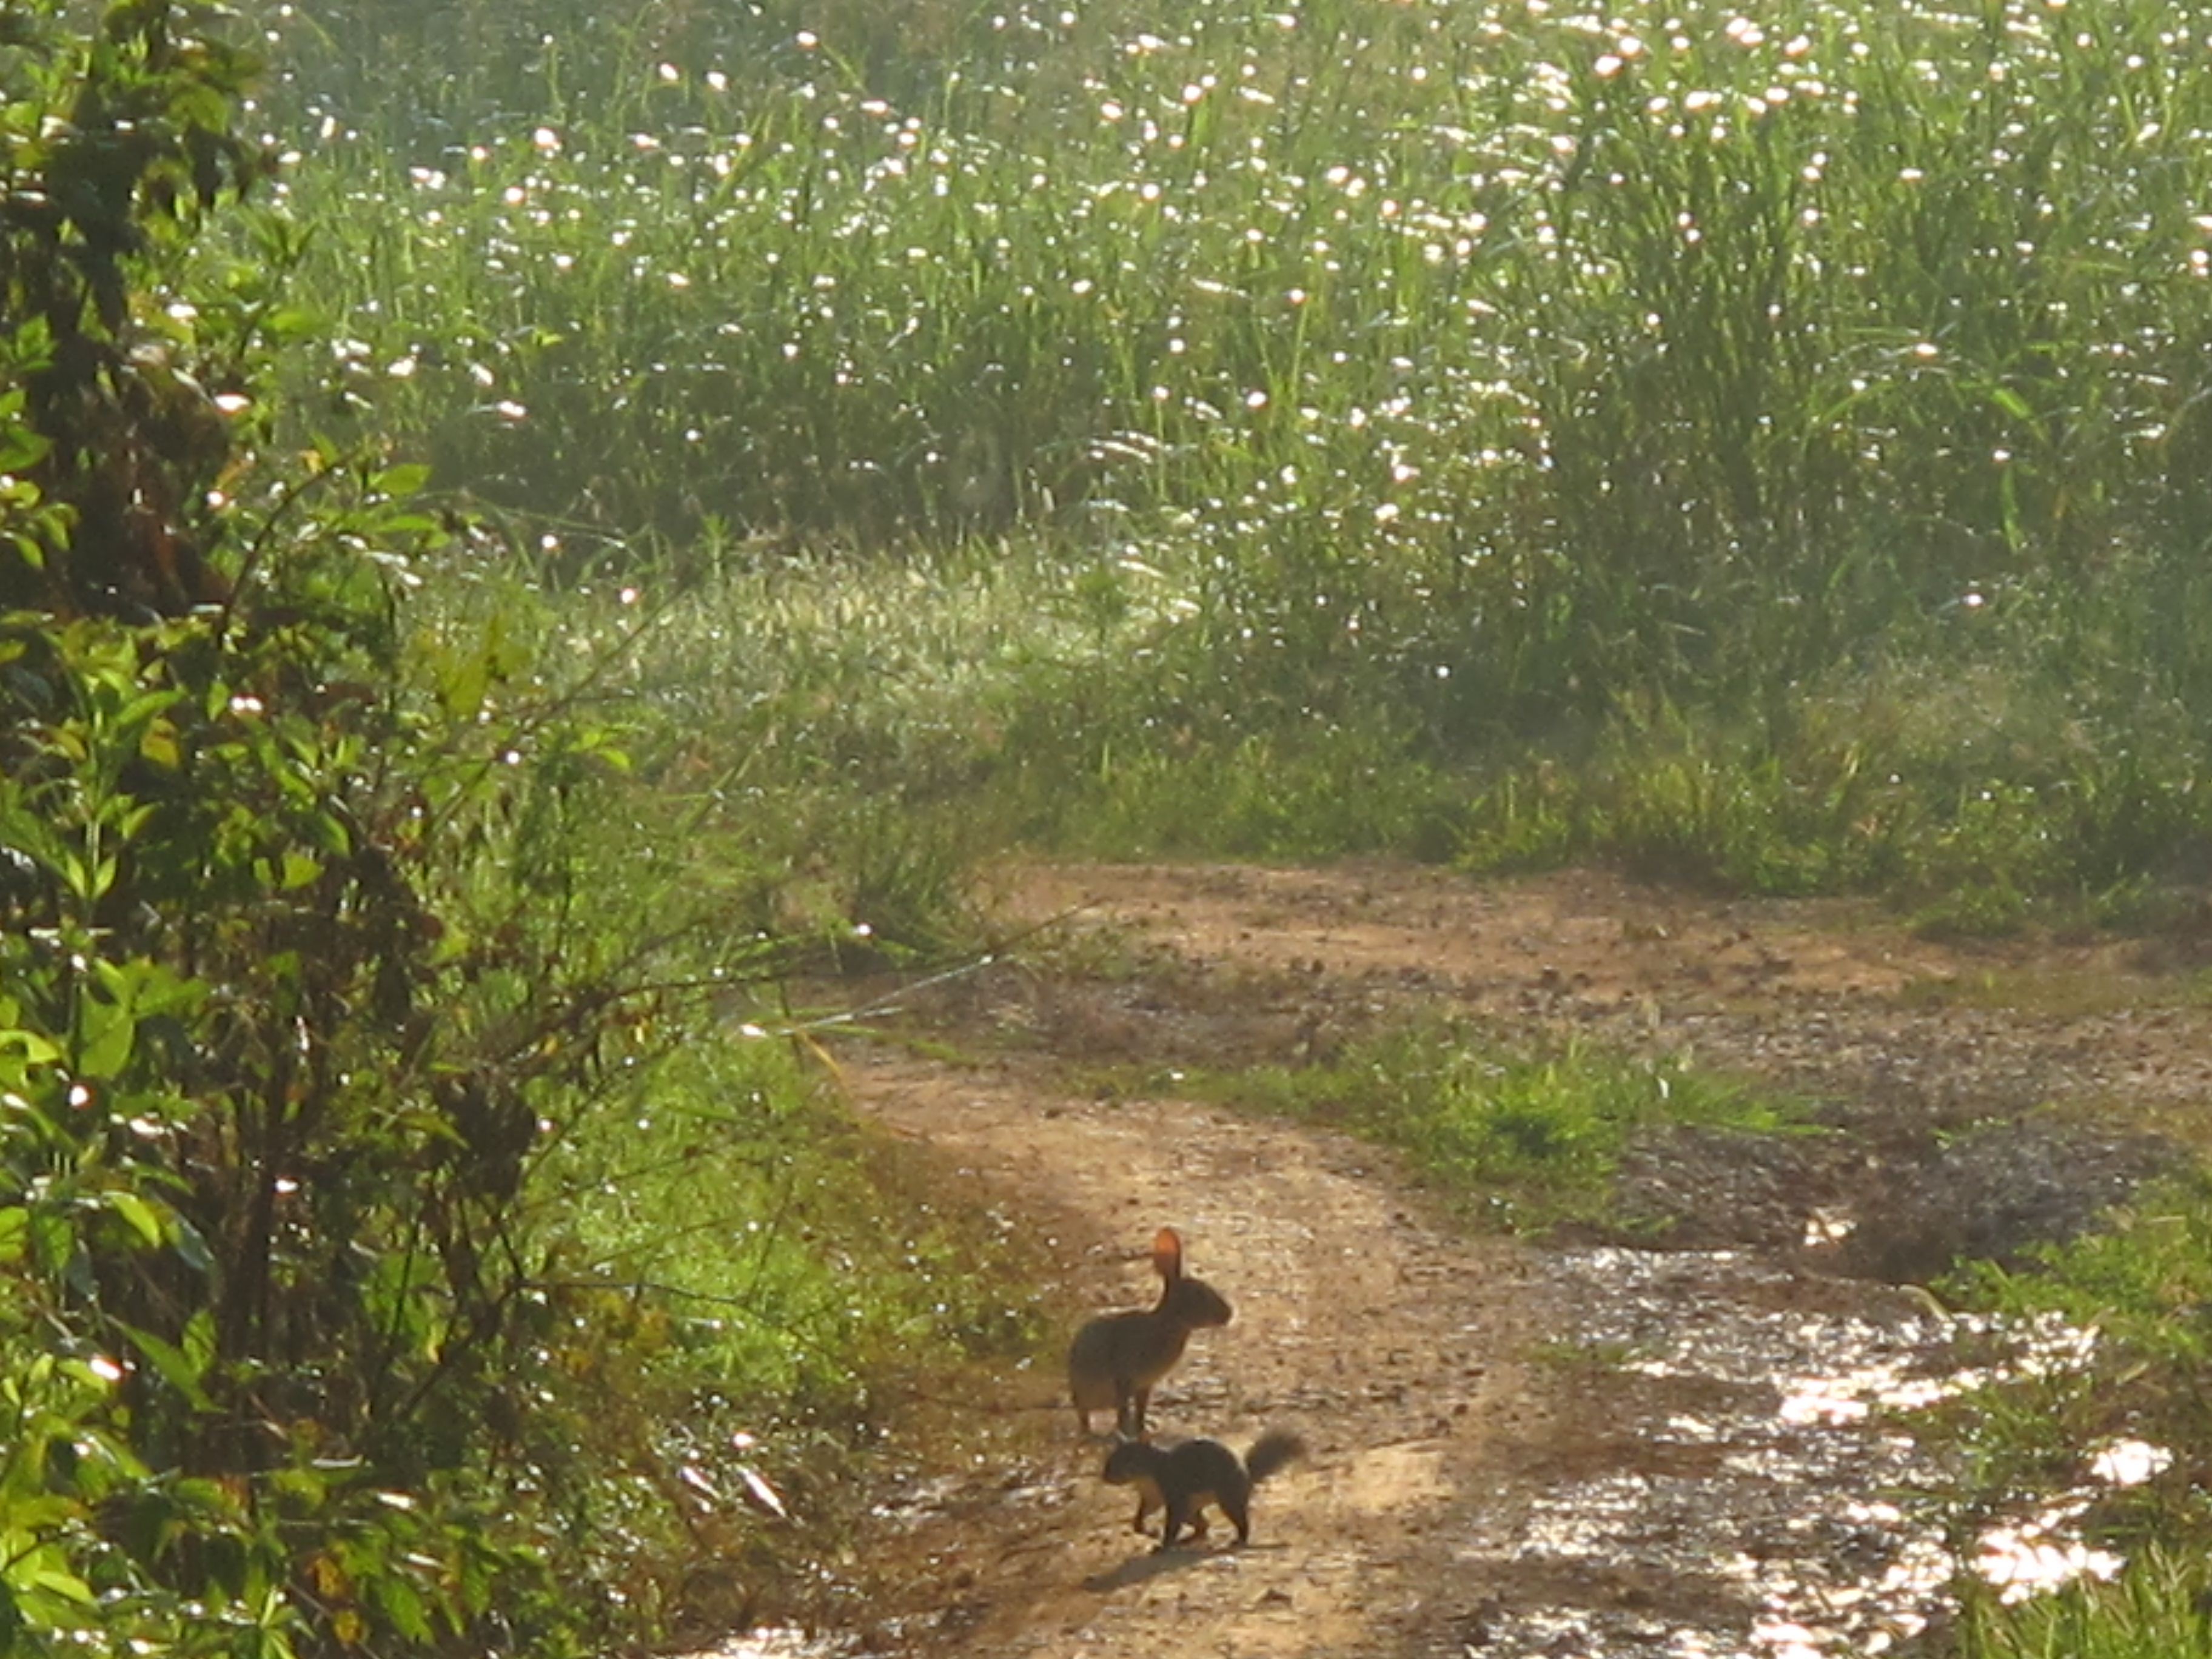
x=332 y=927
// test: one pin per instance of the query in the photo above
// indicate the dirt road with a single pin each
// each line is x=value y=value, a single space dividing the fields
x=1394 y=1349
x=1515 y=1450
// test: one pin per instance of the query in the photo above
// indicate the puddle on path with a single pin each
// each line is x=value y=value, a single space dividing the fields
x=776 y=1644
x=1747 y=1488
x=1760 y=1498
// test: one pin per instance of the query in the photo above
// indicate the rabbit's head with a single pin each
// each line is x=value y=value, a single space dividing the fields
x=1191 y=1303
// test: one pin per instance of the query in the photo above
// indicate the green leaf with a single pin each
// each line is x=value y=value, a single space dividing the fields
x=191 y=1246
x=144 y=1220
x=177 y=1365
x=34 y=1046
x=402 y=1603
x=291 y=323
x=53 y=1581
x=53 y=1241
x=15 y=1228
x=106 y=1033
x=328 y=831
x=153 y=987
x=145 y=706
x=200 y=1340
x=402 y=481
x=157 y=744
x=21 y=448
x=306 y=1488
x=462 y=685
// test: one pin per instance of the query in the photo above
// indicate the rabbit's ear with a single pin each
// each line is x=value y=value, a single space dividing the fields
x=1167 y=1254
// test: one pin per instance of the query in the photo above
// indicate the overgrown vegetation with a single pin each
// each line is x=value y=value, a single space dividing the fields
x=1766 y=449
x=334 y=933
x=1529 y=1141
x=2136 y=1293
x=1770 y=451
x=2156 y=1612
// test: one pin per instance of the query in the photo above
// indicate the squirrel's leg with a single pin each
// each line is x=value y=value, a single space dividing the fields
x=1240 y=1517
x=1139 y=1399
x=1178 y=1514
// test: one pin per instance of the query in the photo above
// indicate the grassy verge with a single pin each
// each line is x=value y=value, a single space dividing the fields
x=911 y=715
x=1530 y=1140
x=758 y=1293
x=2154 y=1611
x=738 y=1292
x=2141 y=1287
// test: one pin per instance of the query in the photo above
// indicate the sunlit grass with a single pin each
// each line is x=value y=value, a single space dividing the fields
x=1522 y=1140
x=742 y=1290
x=1462 y=376
x=1328 y=408
x=1815 y=311
x=2154 y=1610
x=714 y=1196
x=2136 y=1288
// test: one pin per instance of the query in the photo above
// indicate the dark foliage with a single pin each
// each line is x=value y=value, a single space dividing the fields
x=124 y=438
x=266 y=1316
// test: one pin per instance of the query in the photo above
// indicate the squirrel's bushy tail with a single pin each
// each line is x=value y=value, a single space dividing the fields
x=1270 y=1452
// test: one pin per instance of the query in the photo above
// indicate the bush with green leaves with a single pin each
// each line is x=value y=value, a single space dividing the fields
x=262 y=1134
x=331 y=927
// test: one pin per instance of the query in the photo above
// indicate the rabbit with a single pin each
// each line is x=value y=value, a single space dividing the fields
x=1116 y=1358
x=1183 y=1479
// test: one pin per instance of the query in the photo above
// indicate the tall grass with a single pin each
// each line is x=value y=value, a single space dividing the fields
x=755 y=1287
x=2154 y=1610
x=1601 y=343
x=1468 y=374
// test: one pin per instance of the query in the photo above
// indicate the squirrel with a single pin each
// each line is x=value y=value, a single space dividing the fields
x=1184 y=1478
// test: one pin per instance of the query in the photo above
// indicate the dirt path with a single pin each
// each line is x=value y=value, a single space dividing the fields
x=1514 y=1450
x=1393 y=1348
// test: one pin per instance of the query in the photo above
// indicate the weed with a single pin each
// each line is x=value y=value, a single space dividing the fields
x=2155 y=1609
x=2128 y=1303
x=1531 y=1141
